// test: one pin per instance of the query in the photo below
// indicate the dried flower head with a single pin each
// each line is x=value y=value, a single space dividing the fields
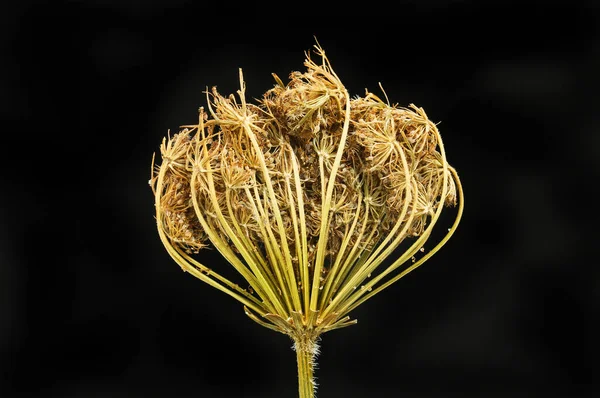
x=305 y=194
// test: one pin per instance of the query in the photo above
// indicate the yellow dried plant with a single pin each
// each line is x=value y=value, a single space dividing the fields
x=306 y=194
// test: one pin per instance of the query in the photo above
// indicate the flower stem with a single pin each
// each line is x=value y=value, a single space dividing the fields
x=305 y=354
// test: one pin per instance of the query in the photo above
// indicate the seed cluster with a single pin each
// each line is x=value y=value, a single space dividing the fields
x=305 y=192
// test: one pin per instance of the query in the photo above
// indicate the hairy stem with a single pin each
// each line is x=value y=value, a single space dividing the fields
x=306 y=352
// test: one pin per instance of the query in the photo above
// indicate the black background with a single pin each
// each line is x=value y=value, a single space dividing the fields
x=92 y=306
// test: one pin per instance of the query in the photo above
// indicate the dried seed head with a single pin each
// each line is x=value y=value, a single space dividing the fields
x=305 y=192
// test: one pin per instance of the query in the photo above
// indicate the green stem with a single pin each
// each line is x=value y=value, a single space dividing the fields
x=306 y=350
